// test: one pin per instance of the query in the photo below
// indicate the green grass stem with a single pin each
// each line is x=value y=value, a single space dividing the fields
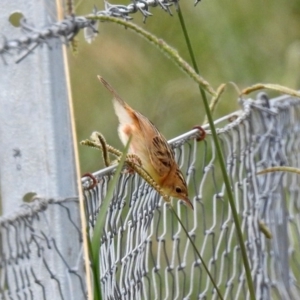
x=98 y=229
x=222 y=163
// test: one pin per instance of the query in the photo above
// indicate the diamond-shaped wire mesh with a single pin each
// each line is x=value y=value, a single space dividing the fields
x=146 y=255
x=144 y=252
x=36 y=259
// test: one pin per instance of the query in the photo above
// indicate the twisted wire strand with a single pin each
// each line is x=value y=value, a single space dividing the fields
x=69 y=27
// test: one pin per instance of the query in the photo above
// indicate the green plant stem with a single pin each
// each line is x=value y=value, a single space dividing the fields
x=231 y=202
x=272 y=87
x=188 y=42
x=98 y=229
x=191 y=52
x=279 y=169
x=222 y=164
x=95 y=270
x=198 y=253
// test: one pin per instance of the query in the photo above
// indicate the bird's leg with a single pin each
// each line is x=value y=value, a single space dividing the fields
x=135 y=159
x=132 y=159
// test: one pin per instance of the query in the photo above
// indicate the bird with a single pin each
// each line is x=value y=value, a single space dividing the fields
x=151 y=147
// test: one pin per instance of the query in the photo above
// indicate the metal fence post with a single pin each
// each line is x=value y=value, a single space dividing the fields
x=37 y=153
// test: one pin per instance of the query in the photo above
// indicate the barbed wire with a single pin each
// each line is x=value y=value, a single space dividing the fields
x=33 y=37
x=69 y=27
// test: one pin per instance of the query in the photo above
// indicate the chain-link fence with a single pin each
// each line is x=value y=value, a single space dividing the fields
x=36 y=261
x=144 y=252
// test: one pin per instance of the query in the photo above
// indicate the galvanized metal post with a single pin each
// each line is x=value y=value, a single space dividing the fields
x=36 y=152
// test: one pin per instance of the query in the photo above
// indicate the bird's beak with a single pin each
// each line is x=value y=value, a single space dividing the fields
x=187 y=202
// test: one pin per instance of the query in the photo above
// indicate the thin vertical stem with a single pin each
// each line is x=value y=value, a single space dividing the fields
x=221 y=162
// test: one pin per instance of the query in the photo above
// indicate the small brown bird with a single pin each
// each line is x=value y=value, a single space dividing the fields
x=151 y=147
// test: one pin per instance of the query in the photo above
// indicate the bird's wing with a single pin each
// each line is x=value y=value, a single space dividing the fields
x=160 y=153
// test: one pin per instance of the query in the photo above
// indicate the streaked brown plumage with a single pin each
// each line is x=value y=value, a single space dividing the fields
x=151 y=147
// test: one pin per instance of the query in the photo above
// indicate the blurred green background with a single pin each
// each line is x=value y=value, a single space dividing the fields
x=245 y=42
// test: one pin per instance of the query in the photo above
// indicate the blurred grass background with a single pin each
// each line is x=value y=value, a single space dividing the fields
x=245 y=42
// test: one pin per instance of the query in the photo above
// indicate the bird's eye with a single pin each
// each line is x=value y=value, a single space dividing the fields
x=178 y=190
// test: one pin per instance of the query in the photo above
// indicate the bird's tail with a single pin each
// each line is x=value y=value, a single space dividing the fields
x=124 y=112
x=111 y=89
